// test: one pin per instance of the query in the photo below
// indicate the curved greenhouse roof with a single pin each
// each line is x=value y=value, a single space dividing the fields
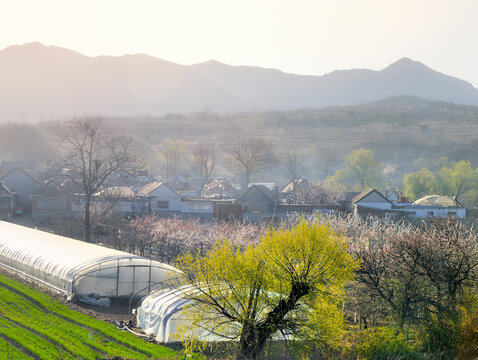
x=433 y=200
x=160 y=314
x=74 y=266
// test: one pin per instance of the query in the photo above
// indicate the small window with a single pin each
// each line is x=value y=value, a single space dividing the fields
x=193 y=206
x=163 y=204
x=205 y=206
x=451 y=213
x=430 y=213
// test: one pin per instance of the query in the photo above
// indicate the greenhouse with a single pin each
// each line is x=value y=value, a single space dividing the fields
x=161 y=314
x=75 y=267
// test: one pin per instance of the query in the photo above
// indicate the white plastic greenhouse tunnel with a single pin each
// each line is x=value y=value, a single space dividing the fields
x=76 y=267
x=161 y=314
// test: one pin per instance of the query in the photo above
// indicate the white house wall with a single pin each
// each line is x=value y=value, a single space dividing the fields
x=129 y=207
x=189 y=207
x=417 y=212
x=164 y=193
x=375 y=205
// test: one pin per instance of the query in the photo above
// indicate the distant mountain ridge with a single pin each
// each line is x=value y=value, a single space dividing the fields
x=37 y=81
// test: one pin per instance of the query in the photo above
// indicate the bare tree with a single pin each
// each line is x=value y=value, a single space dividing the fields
x=172 y=157
x=294 y=166
x=91 y=153
x=205 y=158
x=422 y=275
x=327 y=159
x=250 y=155
x=315 y=194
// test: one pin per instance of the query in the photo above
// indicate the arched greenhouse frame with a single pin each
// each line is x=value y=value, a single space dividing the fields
x=76 y=267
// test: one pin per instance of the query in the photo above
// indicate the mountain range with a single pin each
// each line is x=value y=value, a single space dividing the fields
x=38 y=81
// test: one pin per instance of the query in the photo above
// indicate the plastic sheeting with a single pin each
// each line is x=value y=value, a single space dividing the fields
x=74 y=266
x=94 y=299
x=160 y=314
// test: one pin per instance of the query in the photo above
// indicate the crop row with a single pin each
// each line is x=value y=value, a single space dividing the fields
x=9 y=351
x=58 y=331
x=79 y=334
x=41 y=348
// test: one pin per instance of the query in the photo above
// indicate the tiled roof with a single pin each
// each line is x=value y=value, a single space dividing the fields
x=21 y=171
x=148 y=188
x=263 y=190
x=350 y=196
x=4 y=190
x=50 y=189
x=290 y=185
x=366 y=193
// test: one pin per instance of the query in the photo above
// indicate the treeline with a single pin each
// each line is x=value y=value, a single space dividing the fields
x=245 y=157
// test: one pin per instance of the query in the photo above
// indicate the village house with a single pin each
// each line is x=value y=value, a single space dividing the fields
x=161 y=198
x=436 y=206
x=258 y=199
x=123 y=200
x=122 y=177
x=7 y=204
x=228 y=210
x=220 y=189
x=259 y=203
x=202 y=208
x=294 y=185
x=372 y=202
x=20 y=182
x=50 y=202
x=346 y=200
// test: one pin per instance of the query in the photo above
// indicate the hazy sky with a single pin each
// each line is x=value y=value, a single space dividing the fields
x=302 y=37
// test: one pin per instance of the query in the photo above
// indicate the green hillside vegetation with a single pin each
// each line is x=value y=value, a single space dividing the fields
x=33 y=325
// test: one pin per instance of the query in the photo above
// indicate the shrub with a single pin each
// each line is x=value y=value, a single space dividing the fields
x=442 y=339
x=385 y=344
x=468 y=343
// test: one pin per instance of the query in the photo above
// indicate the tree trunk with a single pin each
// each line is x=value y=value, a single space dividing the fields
x=254 y=338
x=248 y=344
x=87 y=219
x=364 y=320
x=247 y=180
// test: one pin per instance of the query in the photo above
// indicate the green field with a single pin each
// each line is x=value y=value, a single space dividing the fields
x=34 y=325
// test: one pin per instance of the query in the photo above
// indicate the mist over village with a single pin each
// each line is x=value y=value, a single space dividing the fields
x=250 y=180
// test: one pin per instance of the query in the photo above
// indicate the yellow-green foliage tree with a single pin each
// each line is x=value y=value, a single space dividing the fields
x=361 y=170
x=419 y=184
x=289 y=286
x=457 y=180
